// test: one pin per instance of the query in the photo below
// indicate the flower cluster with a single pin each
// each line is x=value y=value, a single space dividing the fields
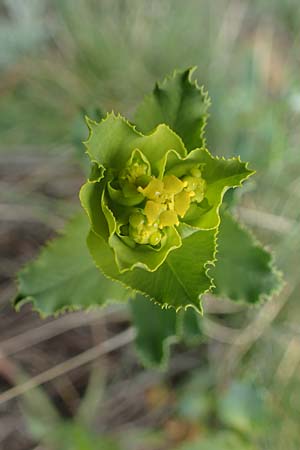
x=154 y=204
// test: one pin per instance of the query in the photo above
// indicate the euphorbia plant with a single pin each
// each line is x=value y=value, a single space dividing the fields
x=152 y=204
x=149 y=201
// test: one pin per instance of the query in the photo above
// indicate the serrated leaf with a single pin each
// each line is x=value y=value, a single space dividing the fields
x=220 y=174
x=179 y=282
x=156 y=329
x=112 y=141
x=79 y=130
x=181 y=104
x=244 y=270
x=189 y=326
x=64 y=276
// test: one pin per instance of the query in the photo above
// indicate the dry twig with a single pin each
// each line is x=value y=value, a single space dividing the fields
x=83 y=358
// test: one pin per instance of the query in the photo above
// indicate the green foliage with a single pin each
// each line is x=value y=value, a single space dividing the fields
x=189 y=326
x=252 y=79
x=157 y=328
x=245 y=270
x=178 y=282
x=179 y=103
x=64 y=277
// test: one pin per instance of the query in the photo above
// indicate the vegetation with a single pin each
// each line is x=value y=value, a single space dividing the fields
x=61 y=61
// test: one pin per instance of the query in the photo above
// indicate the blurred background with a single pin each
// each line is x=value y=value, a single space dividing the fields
x=61 y=57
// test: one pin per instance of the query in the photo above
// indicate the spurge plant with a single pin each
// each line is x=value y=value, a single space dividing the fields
x=155 y=229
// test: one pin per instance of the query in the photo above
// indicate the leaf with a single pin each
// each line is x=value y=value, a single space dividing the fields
x=220 y=174
x=189 y=326
x=179 y=103
x=244 y=270
x=78 y=128
x=112 y=141
x=178 y=282
x=156 y=329
x=64 y=276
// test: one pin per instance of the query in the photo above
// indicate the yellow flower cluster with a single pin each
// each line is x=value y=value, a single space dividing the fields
x=166 y=201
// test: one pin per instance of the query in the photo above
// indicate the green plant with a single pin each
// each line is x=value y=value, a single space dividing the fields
x=159 y=230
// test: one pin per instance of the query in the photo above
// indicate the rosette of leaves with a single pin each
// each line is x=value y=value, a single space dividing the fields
x=151 y=223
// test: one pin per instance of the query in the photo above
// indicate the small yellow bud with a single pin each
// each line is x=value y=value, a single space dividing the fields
x=192 y=183
x=136 y=220
x=195 y=172
x=137 y=170
x=155 y=238
x=140 y=236
x=196 y=187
